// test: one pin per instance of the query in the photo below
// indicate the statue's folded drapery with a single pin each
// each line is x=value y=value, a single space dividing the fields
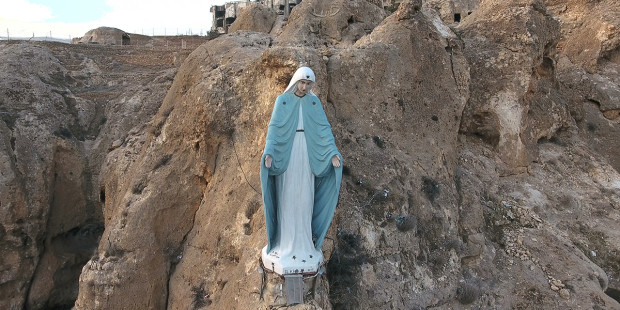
x=321 y=148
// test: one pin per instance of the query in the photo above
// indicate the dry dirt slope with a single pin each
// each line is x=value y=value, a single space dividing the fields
x=475 y=172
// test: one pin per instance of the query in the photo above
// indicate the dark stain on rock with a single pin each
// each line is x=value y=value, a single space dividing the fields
x=430 y=188
x=378 y=141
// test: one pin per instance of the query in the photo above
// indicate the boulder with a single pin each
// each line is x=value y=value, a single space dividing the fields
x=520 y=105
x=588 y=70
x=254 y=17
x=590 y=36
x=319 y=23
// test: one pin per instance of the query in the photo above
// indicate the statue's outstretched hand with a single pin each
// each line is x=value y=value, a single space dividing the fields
x=336 y=161
x=268 y=160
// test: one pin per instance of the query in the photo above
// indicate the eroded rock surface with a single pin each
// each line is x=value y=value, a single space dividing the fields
x=254 y=17
x=45 y=208
x=480 y=164
x=320 y=23
x=521 y=105
x=64 y=107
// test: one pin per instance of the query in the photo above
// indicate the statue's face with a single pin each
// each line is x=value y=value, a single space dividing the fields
x=303 y=86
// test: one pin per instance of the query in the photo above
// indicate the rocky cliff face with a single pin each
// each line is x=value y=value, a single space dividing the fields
x=480 y=163
x=47 y=223
x=64 y=107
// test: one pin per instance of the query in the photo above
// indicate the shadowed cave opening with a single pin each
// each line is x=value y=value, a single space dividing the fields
x=613 y=293
x=72 y=250
x=73 y=228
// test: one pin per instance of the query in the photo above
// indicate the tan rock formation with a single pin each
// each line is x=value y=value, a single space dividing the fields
x=590 y=35
x=520 y=105
x=43 y=194
x=319 y=23
x=52 y=153
x=255 y=17
x=414 y=227
x=588 y=68
x=475 y=167
x=398 y=101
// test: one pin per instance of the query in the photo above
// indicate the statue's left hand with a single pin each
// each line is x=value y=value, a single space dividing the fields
x=336 y=161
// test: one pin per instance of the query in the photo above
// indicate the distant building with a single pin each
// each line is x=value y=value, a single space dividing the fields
x=225 y=15
x=451 y=11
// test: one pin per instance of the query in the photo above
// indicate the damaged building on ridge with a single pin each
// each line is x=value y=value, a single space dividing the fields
x=225 y=15
x=450 y=11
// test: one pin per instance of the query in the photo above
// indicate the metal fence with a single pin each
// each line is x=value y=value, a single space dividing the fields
x=50 y=38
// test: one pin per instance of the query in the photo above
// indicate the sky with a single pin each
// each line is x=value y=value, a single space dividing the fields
x=73 y=18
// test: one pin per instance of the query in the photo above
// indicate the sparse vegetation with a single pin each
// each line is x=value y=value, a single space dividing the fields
x=342 y=271
x=211 y=35
x=393 y=7
x=378 y=141
x=467 y=293
x=406 y=223
x=252 y=208
x=430 y=188
x=201 y=296
x=139 y=186
x=594 y=245
x=162 y=161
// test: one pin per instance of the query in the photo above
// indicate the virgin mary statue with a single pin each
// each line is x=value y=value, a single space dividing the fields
x=301 y=172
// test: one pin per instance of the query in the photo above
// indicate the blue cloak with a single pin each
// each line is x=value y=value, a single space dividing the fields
x=321 y=149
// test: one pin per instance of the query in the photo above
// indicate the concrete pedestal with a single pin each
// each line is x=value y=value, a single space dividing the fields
x=314 y=291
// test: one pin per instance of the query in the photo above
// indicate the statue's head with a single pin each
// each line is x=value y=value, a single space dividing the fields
x=303 y=81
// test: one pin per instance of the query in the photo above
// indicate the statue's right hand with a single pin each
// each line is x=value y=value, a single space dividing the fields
x=268 y=160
